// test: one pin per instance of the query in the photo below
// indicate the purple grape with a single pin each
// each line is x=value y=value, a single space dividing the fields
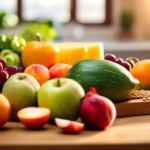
x=1 y=81
x=110 y=57
x=4 y=75
x=11 y=70
x=5 y=69
x=4 y=63
x=21 y=69
x=1 y=66
x=119 y=61
x=127 y=65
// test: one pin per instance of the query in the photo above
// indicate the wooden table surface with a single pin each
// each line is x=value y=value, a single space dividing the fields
x=126 y=133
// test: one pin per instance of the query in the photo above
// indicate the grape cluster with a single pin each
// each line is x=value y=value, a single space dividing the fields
x=120 y=61
x=6 y=72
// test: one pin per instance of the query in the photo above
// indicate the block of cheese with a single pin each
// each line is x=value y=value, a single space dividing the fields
x=72 y=52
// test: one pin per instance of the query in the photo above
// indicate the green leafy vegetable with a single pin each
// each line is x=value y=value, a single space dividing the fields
x=47 y=32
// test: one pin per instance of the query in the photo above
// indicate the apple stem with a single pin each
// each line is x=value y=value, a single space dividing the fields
x=58 y=82
x=24 y=77
x=21 y=78
x=38 y=37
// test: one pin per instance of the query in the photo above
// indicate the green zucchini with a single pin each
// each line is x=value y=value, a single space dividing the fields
x=110 y=79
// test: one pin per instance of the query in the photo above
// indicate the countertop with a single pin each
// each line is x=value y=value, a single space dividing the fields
x=125 y=134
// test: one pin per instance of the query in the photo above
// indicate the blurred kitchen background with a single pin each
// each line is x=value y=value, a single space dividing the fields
x=122 y=25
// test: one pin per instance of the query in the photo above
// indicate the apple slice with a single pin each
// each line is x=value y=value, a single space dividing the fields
x=69 y=126
x=34 y=117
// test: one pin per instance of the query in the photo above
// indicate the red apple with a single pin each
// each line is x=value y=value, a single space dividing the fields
x=69 y=126
x=96 y=111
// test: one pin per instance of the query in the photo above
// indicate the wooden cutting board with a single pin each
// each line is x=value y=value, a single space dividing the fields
x=133 y=107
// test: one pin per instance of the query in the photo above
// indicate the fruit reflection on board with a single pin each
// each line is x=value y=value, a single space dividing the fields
x=58 y=83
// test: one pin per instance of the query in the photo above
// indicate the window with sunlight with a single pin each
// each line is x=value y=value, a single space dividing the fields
x=55 y=10
x=90 y=11
x=8 y=6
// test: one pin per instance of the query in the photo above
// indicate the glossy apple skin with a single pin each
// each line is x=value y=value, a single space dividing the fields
x=71 y=127
x=97 y=112
x=34 y=117
x=21 y=91
x=63 y=100
x=59 y=70
x=39 y=72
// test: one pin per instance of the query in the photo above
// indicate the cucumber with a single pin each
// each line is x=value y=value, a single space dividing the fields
x=108 y=78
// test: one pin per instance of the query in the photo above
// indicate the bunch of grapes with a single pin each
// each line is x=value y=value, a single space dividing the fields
x=6 y=72
x=120 y=61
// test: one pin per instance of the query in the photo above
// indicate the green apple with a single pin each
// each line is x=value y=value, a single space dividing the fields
x=62 y=96
x=21 y=91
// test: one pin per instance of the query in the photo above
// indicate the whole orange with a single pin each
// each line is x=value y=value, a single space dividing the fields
x=141 y=71
x=39 y=52
x=5 y=110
